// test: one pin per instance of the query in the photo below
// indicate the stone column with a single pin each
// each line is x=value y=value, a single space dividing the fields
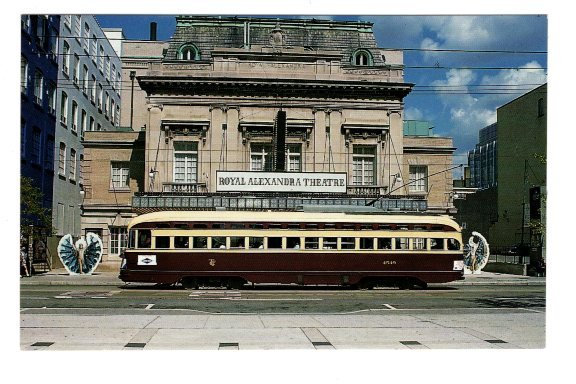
x=154 y=154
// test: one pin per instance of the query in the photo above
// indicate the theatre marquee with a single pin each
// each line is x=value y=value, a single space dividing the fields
x=228 y=181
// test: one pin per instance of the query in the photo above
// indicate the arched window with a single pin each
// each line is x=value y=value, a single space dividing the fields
x=188 y=52
x=362 y=57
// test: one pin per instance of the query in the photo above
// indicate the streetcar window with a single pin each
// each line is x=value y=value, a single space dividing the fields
x=180 y=242
x=237 y=226
x=402 y=243
x=236 y=242
x=256 y=226
x=181 y=225
x=348 y=226
x=366 y=243
x=419 y=243
x=347 y=243
x=199 y=226
x=132 y=239
x=144 y=238
x=384 y=243
x=217 y=226
x=366 y=227
x=311 y=226
x=330 y=243
x=274 y=243
x=162 y=225
x=436 y=244
x=218 y=242
x=384 y=227
x=163 y=242
x=200 y=242
x=453 y=245
x=274 y=226
x=292 y=243
x=311 y=243
x=293 y=226
x=256 y=242
x=329 y=226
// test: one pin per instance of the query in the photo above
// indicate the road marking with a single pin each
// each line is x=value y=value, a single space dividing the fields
x=388 y=306
x=149 y=306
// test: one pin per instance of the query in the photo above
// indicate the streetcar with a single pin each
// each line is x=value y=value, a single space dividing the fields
x=233 y=248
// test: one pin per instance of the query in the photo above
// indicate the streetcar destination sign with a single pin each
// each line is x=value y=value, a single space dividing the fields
x=231 y=181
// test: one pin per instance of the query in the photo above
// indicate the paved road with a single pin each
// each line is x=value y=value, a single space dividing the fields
x=114 y=318
x=275 y=300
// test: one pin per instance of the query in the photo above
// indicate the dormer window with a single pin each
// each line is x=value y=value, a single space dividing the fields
x=362 y=57
x=188 y=52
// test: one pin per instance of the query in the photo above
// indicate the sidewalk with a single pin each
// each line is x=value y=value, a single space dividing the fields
x=61 y=277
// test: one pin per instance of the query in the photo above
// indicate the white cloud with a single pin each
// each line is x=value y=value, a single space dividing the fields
x=412 y=113
x=472 y=100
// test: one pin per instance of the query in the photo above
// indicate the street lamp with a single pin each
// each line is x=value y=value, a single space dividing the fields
x=397 y=179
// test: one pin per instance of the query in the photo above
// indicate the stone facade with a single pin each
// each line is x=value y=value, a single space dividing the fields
x=225 y=94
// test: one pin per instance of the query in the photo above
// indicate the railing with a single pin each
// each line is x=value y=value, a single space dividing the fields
x=512 y=259
x=184 y=187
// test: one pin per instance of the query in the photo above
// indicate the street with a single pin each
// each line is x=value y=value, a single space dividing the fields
x=146 y=317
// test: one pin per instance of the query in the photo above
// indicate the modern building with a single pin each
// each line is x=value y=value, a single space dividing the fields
x=38 y=80
x=262 y=114
x=88 y=99
x=482 y=159
x=511 y=211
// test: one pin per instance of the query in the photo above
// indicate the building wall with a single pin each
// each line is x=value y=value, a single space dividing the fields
x=104 y=205
x=39 y=42
x=224 y=57
x=135 y=57
x=522 y=141
x=434 y=153
x=84 y=54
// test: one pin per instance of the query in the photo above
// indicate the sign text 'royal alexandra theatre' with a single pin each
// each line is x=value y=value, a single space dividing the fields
x=280 y=182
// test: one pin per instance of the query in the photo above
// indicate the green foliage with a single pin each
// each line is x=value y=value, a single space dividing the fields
x=540 y=157
x=31 y=210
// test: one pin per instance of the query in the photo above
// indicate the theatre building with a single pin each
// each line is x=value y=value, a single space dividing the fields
x=261 y=114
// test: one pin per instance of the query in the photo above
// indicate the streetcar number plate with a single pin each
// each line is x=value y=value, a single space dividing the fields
x=458 y=265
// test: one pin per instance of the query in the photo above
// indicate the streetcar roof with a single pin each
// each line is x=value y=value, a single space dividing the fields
x=292 y=217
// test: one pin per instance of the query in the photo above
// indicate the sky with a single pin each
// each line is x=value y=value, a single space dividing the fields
x=463 y=67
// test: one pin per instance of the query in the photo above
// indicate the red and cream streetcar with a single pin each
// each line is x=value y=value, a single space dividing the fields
x=233 y=248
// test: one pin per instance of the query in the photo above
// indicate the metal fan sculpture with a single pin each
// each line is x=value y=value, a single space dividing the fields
x=81 y=257
x=477 y=254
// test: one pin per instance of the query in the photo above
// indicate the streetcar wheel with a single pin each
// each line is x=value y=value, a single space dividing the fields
x=234 y=283
x=189 y=283
x=406 y=283
x=421 y=284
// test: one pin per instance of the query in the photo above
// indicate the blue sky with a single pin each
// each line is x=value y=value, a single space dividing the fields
x=479 y=63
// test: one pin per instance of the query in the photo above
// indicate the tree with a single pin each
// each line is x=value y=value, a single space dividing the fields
x=31 y=210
